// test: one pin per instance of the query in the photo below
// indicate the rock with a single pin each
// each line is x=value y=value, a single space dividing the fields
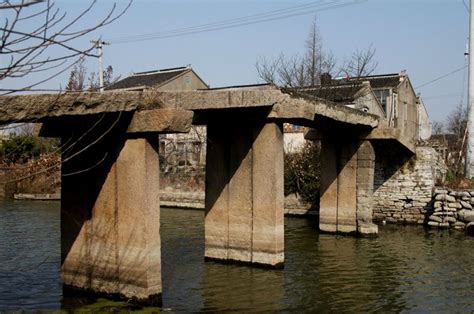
x=464 y=194
x=459 y=224
x=466 y=205
x=433 y=224
x=450 y=198
x=455 y=205
x=444 y=224
x=438 y=209
x=441 y=191
x=470 y=228
x=472 y=200
x=438 y=204
x=466 y=215
x=449 y=219
x=440 y=197
x=436 y=218
x=471 y=192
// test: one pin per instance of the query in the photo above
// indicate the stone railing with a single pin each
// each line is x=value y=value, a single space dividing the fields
x=452 y=209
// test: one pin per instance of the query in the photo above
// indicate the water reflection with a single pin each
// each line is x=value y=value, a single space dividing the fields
x=404 y=269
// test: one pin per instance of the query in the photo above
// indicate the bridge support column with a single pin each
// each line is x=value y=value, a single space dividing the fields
x=347 y=174
x=365 y=188
x=244 y=193
x=110 y=220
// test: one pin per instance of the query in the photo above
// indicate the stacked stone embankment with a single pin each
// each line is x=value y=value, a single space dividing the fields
x=452 y=209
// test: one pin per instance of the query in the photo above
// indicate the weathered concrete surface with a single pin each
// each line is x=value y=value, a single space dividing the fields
x=291 y=105
x=328 y=187
x=244 y=193
x=338 y=187
x=110 y=218
x=388 y=135
x=365 y=188
x=347 y=188
x=326 y=109
x=347 y=174
x=26 y=108
x=161 y=121
x=394 y=135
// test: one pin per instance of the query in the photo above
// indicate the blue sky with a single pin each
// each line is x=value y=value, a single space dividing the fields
x=425 y=37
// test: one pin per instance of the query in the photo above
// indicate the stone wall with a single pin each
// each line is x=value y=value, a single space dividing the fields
x=403 y=187
x=452 y=209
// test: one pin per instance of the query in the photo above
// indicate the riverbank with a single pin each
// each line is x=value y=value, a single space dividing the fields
x=195 y=200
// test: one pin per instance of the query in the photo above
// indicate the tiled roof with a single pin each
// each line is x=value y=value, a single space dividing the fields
x=380 y=81
x=335 y=93
x=148 y=79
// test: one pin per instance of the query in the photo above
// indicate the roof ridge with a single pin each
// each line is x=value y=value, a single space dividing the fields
x=166 y=70
x=377 y=76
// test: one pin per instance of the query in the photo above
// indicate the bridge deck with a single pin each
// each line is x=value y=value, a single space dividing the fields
x=284 y=104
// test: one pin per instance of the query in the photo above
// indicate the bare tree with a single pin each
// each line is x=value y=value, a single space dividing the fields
x=361 y=63
x=437 y=127
x=77 y=77
x=38 y=37
x=456 y=124
x=109 y=79
x=306 y=70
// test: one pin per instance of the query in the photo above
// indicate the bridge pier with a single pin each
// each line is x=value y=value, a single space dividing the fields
x=347 y=176
x=244 y=193
x=110 y=230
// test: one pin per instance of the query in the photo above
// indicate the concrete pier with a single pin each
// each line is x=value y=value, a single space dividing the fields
x=244 y=193
x=110 y=217
x=347 y=174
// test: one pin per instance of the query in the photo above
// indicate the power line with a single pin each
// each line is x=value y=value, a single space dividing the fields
x=441 y=77
x=453 y=95
x=305 y=9
x=223 y=22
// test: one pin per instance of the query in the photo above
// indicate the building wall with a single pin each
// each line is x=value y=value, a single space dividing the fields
x=403 y=188
x=424 y=124
x=188 y=81
x=407 y=110
x=372 y=103
x=293 y=142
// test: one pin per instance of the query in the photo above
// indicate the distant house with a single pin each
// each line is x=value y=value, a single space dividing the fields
x=178 y=151
x=404 y=109
x=181 y=78
x=357 y=95
x=390 y=96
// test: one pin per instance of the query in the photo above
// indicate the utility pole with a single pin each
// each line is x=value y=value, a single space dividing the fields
x=99 y=44
x=470 y=98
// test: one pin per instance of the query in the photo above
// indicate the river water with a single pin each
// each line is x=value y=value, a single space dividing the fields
x=404 y=269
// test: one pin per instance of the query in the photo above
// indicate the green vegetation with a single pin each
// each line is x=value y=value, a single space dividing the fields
x=302 y=172
x=24 y=147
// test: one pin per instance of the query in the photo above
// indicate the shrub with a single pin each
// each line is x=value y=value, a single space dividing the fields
x=302 y=172
x=21 y=148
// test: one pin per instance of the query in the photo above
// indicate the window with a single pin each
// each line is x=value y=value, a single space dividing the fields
x=382 y=95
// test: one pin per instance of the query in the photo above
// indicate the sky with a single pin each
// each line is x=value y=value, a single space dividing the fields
x=425 y=37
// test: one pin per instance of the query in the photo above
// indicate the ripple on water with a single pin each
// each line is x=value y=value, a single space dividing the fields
x=403 y=269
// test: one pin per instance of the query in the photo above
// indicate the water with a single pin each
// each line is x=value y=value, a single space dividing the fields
x=404 y=269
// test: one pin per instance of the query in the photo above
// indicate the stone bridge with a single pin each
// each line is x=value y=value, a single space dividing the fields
x=110 y=217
